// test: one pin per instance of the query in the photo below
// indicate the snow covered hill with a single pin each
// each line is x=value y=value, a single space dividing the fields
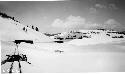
x=12 y=30
x=99 y=36
x=86 y=37
x=45 y=56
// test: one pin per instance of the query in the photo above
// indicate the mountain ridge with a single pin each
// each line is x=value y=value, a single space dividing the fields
x=12 y=30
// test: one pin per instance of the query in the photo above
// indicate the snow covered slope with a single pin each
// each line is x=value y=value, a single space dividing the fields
x=12 y=30
x=99 y=36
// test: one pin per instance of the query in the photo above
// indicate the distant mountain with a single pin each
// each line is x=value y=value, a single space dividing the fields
x=99 y=35
x=10 y=30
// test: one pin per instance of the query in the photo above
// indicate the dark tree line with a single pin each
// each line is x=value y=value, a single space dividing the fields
x=4 y=15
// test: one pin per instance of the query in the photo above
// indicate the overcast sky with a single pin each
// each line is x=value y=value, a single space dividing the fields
x=62 y=15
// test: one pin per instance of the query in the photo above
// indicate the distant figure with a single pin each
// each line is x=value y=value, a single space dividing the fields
x=37 y=29
x=25 y=29
x=32 y=27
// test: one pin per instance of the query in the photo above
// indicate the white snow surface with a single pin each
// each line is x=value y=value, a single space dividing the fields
x=11 y=30
x=84 y=57
x=89 y=58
